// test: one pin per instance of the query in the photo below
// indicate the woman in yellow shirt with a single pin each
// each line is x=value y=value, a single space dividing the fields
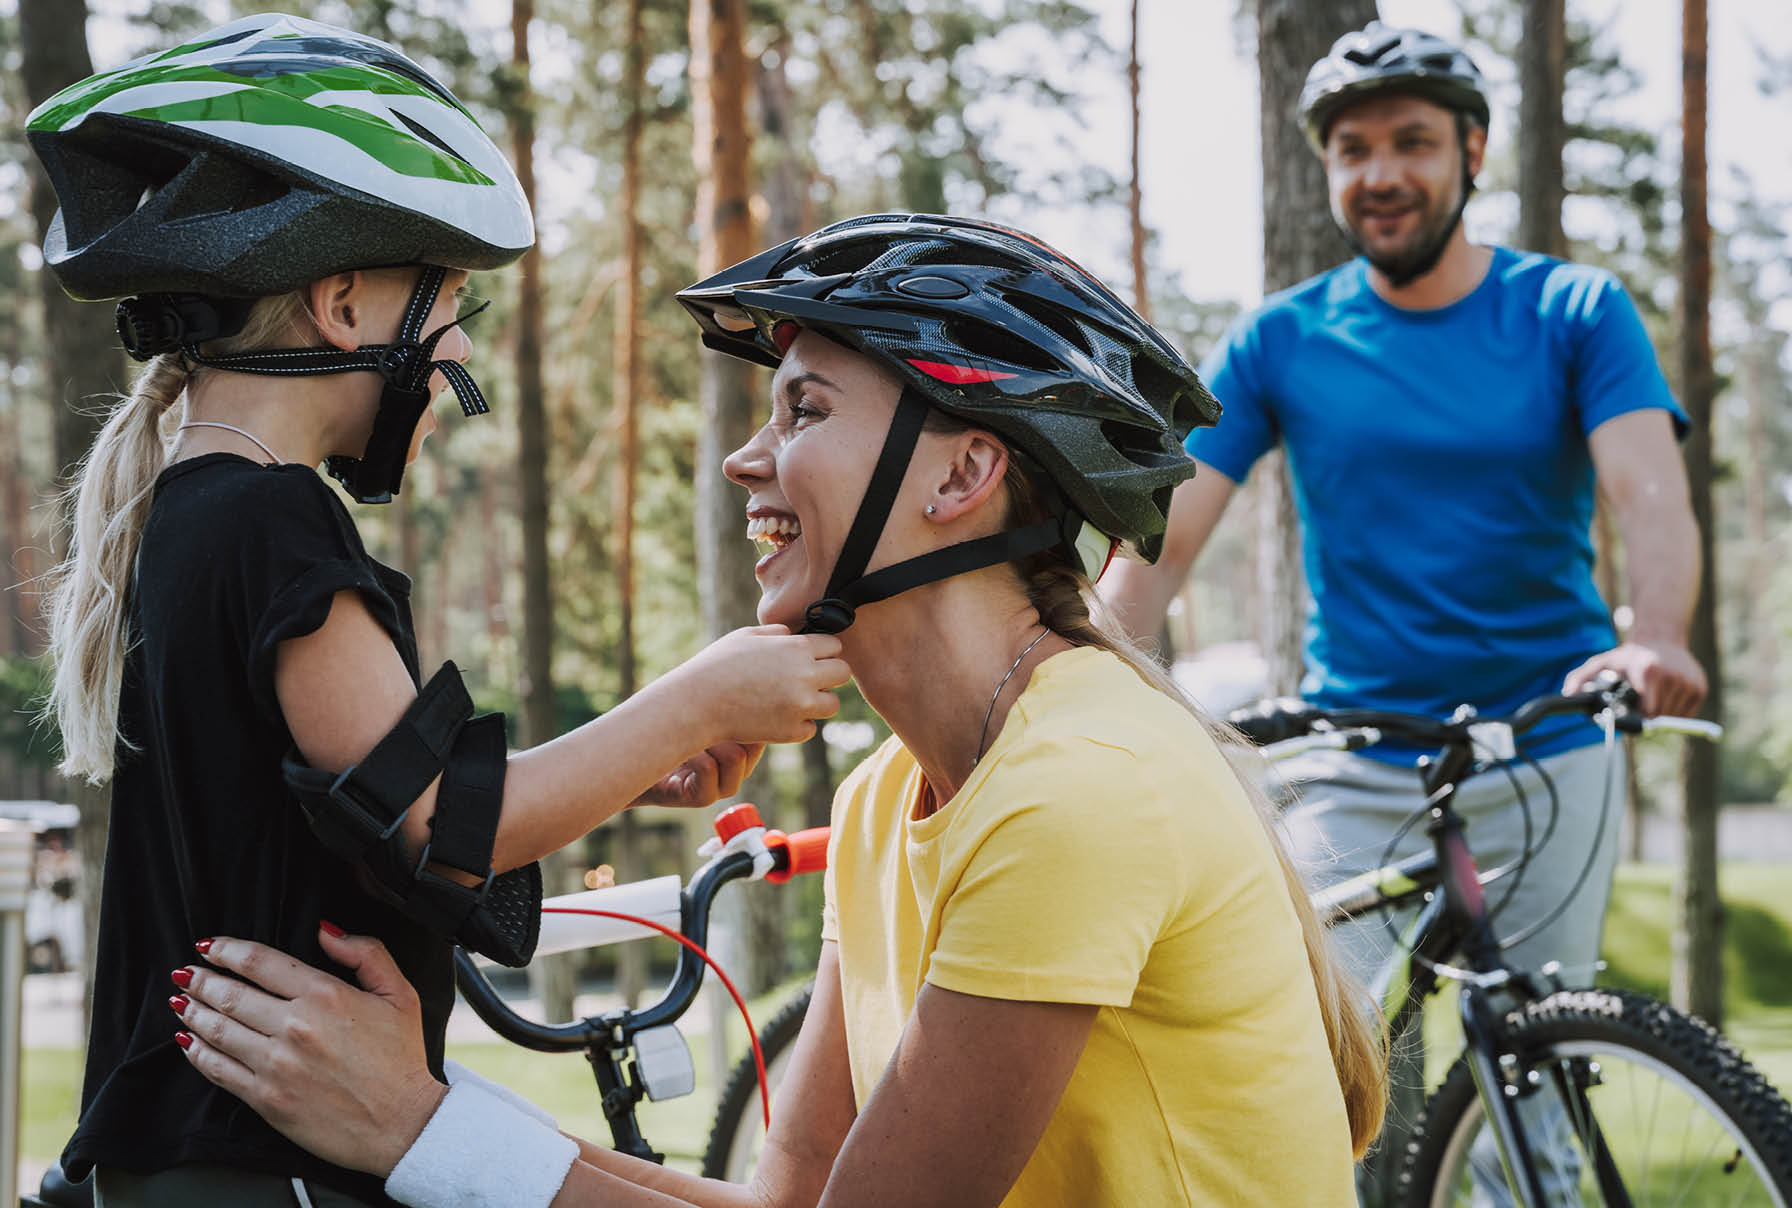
x=1065 y=960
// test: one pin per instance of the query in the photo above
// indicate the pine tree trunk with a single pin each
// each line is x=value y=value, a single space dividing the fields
x=1299 y=240
x=631 y=968
x=728 y=592
x=1141 y=289
x=551 y=978
x=787 y=215
x=1697 y=974
x=1542 y=56
x=81 y=361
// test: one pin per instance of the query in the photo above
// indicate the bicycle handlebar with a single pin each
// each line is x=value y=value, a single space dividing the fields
x=1280 y=724
x=804 y=852
x=747 y=851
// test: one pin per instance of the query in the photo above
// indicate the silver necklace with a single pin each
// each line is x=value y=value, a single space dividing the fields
x=983 y=734
x=248 y=436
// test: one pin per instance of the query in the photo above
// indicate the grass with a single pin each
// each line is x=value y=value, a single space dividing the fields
x=1758 y=999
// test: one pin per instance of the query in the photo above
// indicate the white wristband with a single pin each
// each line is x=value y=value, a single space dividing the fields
x=478 y=1151
x=458 y=1073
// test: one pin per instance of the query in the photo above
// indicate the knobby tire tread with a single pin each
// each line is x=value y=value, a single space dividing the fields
x=740 y=1094
x=1623 y=1020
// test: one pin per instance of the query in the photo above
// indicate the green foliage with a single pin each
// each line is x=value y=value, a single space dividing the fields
x=24 y=684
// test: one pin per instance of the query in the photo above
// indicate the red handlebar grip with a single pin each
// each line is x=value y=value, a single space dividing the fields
x=804 y=852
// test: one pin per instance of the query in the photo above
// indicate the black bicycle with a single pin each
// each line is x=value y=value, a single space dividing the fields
x=1567 y=1096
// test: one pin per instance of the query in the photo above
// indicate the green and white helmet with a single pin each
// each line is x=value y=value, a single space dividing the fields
x=266 y=154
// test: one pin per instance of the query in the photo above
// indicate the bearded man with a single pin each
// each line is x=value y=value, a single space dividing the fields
x=1449 y=410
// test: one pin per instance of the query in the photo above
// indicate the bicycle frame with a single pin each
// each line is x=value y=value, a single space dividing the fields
x=1456 y=921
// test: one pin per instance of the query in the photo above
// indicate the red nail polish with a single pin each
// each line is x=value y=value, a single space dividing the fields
x=332 y=928
x=202 y=946
x=182 y=977
x=183 y=1039
x=178 y=1004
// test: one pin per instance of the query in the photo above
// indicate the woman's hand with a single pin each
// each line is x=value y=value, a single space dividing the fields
x=705 y=777
x=339 y=1071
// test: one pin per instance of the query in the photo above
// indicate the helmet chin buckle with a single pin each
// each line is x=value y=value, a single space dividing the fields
x=374 y=477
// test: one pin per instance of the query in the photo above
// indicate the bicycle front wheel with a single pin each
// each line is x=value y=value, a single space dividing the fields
x=1624 y=1101
x=739 y=1128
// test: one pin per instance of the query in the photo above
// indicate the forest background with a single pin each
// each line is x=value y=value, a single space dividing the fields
x=578 y=542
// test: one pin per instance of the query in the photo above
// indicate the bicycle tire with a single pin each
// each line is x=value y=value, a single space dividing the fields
x=732 y=1147
x=1723 y=1105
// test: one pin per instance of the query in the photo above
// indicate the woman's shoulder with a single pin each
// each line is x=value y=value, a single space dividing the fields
x=1090 y=708
x=1094 y=736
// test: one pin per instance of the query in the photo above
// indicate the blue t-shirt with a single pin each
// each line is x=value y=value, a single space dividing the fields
x=1442 y=475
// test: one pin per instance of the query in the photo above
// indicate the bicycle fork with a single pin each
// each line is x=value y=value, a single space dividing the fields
x=1498 y=1077
x=1504 y=1080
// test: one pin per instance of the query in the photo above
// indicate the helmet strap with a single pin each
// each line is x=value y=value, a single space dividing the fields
x=406 y=365
x=849 y=587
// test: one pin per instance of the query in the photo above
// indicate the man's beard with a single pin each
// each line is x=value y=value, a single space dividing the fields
x=1419 y=257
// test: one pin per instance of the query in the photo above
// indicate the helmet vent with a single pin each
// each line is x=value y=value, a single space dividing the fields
x=214 y=184
x=429 y=136
x=849 y=259
x=995 y=344
x=1047 y=316
x=1161 y=387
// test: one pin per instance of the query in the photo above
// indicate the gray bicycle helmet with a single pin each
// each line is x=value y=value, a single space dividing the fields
x=992 y=326
x=266 y=154
x=1381 y=58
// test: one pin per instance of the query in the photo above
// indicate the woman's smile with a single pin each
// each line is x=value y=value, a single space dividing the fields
x=774 y=532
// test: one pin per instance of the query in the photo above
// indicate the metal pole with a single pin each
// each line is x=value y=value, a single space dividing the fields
x=15 y=879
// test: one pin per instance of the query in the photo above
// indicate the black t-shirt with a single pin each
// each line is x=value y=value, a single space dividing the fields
x=205 y=839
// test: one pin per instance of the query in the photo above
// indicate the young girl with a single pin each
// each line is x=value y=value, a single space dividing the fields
x=289 y=209
x=1064 y=959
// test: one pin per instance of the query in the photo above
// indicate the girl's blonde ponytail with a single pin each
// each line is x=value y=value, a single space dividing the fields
x=109 y=501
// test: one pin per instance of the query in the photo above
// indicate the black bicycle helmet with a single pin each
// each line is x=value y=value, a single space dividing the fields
x=266 y=154
x=1382 y=58
x=994 y=327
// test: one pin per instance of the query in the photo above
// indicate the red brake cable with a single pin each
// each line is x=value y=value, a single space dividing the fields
x=765 y=1095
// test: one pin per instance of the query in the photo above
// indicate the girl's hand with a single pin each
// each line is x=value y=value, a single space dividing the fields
x=706 y=777
x=764 y=684
x=339 y=1071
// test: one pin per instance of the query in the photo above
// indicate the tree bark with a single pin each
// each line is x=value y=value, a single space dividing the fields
x=1141 y=290
x=725 y=236
x=551 y=979
x=787 y=179
x=81 y=360
x=1299 y=240
x=631 y=966
x=1697 y=974
x=728 y=593
x=1542 y=57
x=787 y=215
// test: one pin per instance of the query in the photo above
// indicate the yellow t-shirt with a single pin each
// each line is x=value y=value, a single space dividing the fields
x=1102 y=852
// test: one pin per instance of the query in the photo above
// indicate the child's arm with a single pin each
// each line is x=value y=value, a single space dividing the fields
x=343 y=687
